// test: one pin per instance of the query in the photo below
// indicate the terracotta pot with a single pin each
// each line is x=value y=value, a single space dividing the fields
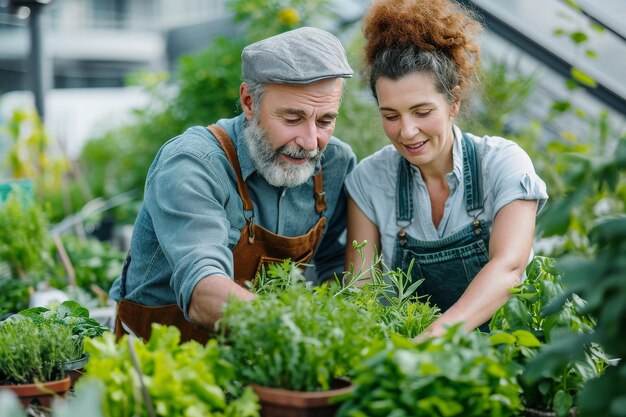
x=41 y=393
x=277 y=402
x=76 y=368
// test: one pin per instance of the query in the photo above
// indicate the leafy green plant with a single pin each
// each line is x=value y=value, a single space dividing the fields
x=23 y=234
x=530 y=318
x=72 y=315
x=171 y=378
x=597 y=275
x=299 y=339
x=32 y=353
x=458 y=374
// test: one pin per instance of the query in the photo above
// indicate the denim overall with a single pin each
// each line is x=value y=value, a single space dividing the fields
x=447 y=265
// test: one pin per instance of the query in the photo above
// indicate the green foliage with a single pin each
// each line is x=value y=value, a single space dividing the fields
x=23 y=234
x=72 y=315
x=14 y=294
x=264 y=18
x=31 y=352
x=181 y=379
x=389 y=296
x=296 y=338
x=504 y=92
x=598 y=276
x=540 y=311
x=458 y=374
x=96 y=265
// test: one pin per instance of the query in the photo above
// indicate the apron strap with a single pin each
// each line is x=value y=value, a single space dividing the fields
x=227 y=145
x=318 y=193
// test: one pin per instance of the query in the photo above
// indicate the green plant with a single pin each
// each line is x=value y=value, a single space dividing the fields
x=171 y=378
x=388 y=295
x=299 y=338
x=14 y=294
x=597 y=275
x=458 y=374
x=32 y=353
x=96 y=265
x=530 y=318
x=72 y=315
x=23 y=234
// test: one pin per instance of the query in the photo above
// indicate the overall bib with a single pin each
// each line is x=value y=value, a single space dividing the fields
x=257 y=246
x=447 y=265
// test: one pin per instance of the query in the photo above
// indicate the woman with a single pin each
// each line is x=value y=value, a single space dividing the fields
x=462 y=207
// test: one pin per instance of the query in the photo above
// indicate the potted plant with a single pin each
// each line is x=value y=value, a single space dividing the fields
x=72 y=315
x=30 y=359
x=163 y=377
x=457 y=374
x=295 y=344
x=540 y=312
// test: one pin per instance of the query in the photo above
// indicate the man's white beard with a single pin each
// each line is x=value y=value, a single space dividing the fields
x=277 y=172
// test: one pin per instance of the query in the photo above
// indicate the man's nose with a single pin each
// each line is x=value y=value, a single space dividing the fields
x=308 y=137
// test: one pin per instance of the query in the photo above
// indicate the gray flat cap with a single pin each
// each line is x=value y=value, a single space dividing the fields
x=300 y=56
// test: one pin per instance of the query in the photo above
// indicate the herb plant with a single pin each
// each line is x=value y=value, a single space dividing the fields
x=72 y=315
x=389 y=295
x=32 y=353
x=299 y=339
x=458 y=374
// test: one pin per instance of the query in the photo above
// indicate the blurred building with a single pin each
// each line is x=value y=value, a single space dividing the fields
x=91 y=44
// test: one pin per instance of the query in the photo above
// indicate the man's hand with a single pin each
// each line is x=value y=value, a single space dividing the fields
x=209 y=297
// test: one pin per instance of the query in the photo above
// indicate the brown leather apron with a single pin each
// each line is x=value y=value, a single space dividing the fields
x=256 y=247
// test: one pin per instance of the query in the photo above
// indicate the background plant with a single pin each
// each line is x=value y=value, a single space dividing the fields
x=23 y=234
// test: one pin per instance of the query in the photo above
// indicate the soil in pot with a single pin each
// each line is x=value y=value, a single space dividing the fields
x=41 y=393
x=277 y=402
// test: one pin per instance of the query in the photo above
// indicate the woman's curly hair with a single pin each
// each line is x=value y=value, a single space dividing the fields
x=436 y=36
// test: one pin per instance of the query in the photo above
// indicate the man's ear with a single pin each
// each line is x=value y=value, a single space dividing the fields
x=246 y=101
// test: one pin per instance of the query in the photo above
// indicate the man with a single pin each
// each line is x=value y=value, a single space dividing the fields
x=264 y=186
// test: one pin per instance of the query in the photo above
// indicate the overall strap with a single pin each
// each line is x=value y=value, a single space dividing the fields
x=404 y=194
x=227 y=145
x=471 y=176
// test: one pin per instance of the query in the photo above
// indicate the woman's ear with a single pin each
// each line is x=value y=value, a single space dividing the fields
x=456 y=104
x=246 y=101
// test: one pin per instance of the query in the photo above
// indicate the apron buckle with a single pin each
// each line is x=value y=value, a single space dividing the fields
x=250 y=230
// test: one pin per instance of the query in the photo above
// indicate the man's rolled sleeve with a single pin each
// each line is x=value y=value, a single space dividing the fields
x=186 y=197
